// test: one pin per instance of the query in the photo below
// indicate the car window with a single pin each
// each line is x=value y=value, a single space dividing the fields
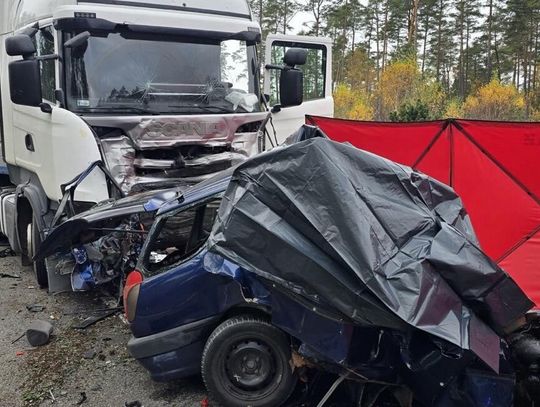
x=180 y=235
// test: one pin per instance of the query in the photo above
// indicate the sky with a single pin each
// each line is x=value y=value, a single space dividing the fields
x=298 y=21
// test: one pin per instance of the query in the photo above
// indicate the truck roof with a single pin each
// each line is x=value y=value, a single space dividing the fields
x=15 y=14
x=238 y=8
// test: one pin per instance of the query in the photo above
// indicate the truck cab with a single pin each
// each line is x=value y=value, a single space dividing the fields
x=137 y=96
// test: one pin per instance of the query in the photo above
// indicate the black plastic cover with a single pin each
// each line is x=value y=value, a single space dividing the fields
x=378 y=242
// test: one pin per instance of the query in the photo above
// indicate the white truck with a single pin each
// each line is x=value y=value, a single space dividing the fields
x=138 y=95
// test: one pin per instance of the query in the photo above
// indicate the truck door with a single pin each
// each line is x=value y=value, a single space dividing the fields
x=317 y=71
x=30 y=145
x=57 y=145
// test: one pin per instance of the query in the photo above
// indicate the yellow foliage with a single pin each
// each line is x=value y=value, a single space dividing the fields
x=454 y=109
x=534 y=115
x=397 y=85
x=495 y=101
x=361 y=111
x=351 y=104
x=402 y=83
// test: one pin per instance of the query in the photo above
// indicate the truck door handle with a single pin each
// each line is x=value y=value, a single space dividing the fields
x=29 y=142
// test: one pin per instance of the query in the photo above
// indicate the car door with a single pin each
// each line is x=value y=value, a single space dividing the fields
x=177 y=288
x=317 y=71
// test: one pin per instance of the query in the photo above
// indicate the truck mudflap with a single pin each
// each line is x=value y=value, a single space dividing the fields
x=372 y=240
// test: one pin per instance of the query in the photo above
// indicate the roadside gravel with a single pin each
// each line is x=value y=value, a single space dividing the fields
x=93 y=361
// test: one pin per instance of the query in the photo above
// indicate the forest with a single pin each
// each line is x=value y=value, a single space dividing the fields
x=410 y=60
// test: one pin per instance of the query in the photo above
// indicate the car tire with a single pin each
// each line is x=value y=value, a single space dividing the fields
x=40 y=270
x=246 y=362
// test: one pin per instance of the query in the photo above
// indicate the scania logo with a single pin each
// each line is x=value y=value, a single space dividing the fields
x=187 y=128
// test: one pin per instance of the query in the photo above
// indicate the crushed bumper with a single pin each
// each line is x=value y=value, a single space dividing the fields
x=175 y=353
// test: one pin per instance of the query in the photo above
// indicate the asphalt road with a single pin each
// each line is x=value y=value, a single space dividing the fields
x=93 y=361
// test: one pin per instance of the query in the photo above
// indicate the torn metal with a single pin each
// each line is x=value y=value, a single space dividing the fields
x=374 y=241
x=145 y=153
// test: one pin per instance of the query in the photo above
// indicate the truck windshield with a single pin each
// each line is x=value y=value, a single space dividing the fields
x=152 y=74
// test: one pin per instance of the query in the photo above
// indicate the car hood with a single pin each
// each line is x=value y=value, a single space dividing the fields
x=71 y=232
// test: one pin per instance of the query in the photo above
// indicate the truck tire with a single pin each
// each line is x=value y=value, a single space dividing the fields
x=40 y=270
x=246 y=362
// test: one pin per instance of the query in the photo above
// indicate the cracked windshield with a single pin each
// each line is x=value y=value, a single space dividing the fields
x=113 y=73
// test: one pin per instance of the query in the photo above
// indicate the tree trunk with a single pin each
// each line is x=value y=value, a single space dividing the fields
x=467 y=36
x=385 y=35
x=424 y=47
x=497 y=58
x=461 y=75
x=439 y=40
x=413 y=23
x=377 y=42
x=489 y=36
x=285 y=11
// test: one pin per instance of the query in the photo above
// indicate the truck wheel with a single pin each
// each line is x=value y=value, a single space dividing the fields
x=246 y=363
x=40 y=270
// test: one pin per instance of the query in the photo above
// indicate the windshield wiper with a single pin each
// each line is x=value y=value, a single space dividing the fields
x=210 y=108
x=116 y=109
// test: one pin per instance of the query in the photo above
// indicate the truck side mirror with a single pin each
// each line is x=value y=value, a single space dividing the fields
x=291 y=80
x=20 y=45
x=25 y=74
x=291 y=87
x=25 y=82
x=295 y=56
x=78 y=41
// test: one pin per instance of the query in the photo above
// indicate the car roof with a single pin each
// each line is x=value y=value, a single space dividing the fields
x=212 y=186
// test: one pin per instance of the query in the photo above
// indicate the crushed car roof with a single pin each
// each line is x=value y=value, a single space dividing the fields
x=161 y=201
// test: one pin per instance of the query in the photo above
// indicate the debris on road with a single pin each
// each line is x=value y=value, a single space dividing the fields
x=35 y=307
x=8 y=252
x=89 y=354
x=18 y=338
x=9 y=275
x=52 y=396
x=82 y=399
x=39 y=332
x=135 y=403
x=95 y=318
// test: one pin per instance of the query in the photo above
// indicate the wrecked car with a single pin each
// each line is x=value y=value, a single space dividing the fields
x=319 y=258
x=322 y=257
x=102 y=244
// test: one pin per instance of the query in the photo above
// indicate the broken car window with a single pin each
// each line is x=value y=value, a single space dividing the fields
x=180 y=235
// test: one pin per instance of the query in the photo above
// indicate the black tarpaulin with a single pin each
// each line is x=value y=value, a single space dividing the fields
x=378 y=242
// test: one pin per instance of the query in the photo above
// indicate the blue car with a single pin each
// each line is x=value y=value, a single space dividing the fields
x=189 y=311
x=192 y=311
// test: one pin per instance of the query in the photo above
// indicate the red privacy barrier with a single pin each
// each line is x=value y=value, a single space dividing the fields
x=493 y=166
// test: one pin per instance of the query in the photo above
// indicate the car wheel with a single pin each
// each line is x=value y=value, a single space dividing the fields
x=246 y=363
x=40 y=270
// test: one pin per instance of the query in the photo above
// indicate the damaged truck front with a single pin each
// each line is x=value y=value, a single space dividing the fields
x=159 y=93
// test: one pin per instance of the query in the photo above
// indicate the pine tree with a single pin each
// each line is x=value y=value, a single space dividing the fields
x=426 y=23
